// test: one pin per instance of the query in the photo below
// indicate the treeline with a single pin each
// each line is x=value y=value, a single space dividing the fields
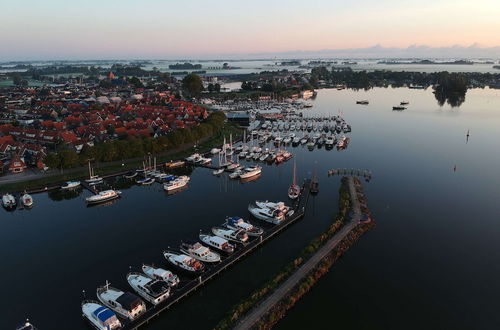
x=135 y=147
x=185 y=66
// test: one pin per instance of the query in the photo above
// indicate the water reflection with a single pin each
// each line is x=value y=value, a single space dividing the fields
x=59 y=195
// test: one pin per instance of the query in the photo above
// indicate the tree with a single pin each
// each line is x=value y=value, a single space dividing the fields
x=192 y=84
x=105 y=83
x=217 y=87
x=17 y=79
x=136 y=82
x=52 y=160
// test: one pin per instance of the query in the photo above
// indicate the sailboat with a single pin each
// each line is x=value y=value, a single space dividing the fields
x=93 y=179
x=294 y=190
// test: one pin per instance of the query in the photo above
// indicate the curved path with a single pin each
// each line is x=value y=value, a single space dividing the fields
x=258 y=312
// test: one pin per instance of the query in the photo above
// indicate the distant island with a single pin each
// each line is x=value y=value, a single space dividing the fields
x=457 y=62
x=184 y=66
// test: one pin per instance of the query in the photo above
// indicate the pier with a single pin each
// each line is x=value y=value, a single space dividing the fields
x=367 y=174
x=258 y=313
x=194 y=284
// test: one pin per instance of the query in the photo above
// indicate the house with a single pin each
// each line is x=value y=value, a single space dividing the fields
x=17 y=165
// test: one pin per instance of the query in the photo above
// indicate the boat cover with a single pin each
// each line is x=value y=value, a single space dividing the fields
x=128 y=301
x=103 y=314
x=233 y=220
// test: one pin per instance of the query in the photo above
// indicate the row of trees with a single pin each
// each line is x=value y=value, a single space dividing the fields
x=136 y=147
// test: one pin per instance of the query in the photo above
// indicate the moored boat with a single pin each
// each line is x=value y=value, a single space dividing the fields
x=27 y=200
x=217 y=242
x=100 y=317
x=198 y=251
x=153 y=290
x=238 y=236
x=184 y=262
x=125 y=304
x=250 y=172
x=9 y=202
x=294 y=190
x=103 y=196
x=237 y=223
x=160 y=274
x=70 y=185
x=175 y=184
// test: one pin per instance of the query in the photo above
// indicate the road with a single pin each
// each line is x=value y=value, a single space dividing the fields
x=257 y=313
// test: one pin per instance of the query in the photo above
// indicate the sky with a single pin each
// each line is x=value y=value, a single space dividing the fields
x=163 y=29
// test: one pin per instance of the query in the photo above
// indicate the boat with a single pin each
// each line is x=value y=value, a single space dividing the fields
x=100 y=317
x=93 y=179
x=398 y=107
x=175 y=184
x=184 y=262
x=218 y=171
x=404 y=103
x=198 y=251
x=146 y=181
x=273 y=212
x=9 y=202
x=238 y=236
x=215 y=151
x=294 y=190
x=342 y=142
x=161 y=274
x=103 y=196
x=27 y=200
x=153 y=290
x=311 y=144
x=194 y=158
x=249 y=172
x=363 y=102
x=70 y=185
x=26 y=326
x=236 y=174
x=237 y=223
x=174 y=164
x=130 y=175
x=217 y=242
x=125 y=304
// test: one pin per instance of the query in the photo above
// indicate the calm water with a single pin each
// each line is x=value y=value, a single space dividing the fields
x=432 y=260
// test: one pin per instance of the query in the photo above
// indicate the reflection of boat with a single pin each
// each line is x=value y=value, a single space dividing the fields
x=70 y=185
x=217 y=242
x=198 y=251
x=27 y=200
x=9 y=202
x=294 y=190
x=239 y=236
x=153 y=290
x=126 y=304
x=236 y=223
x=99 y=316
x=103 y=196
x=184 y=262
x=161 y=274
x=251 y=179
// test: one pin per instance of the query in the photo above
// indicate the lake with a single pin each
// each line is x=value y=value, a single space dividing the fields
x=431 y=261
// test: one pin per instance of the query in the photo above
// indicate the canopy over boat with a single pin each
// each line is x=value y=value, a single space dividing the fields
x=128 y=301
x=104 y=314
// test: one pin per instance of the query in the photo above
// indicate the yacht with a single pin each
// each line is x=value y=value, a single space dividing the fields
x=342 y=142
x=153 y=290
x=236 y=174
x=217 y=242
x=218 y=171
x=287 y=140
x=249 y=172
x=146 y=181
x=193 y=158
x=237 y=223
x=329 y=142
x=100 y=317
x=239 y=236
x=200 y=252
x=184 y=262
x=363 y=102
x=273 y=212
x=398 y=107
x=232 y=166
x=294 y=190
x=103 y=196
x=26 y=200
x=178 y=183
x=160 y=274
x=93 y=179
x=404 y=103
x=70 y=185
x=9 y=202
x=125 y=304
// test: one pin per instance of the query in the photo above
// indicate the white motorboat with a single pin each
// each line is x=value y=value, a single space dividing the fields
x=146 y=181
x=100 y=317
x=239 y=236
x=27 y=200
x=273 y=212
x=184 y=262
x=70 y=185
x=218 y=171
x=249 y=172
x=26 y=326
x=193 y=158
x=103 y=196
x=125 y=304
x=9 y=202
x=217 y=242
x=198 y=251
x=153 y=290
x=178 y=183
x=235 y=174
x=237 y=223
x=161 y=274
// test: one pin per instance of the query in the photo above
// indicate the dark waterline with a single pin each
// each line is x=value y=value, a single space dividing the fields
x=432 y=260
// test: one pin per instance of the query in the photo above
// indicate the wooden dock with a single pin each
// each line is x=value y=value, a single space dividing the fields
x=190 y=287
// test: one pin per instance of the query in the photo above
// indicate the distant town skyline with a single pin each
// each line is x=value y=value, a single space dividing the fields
x=153 y=29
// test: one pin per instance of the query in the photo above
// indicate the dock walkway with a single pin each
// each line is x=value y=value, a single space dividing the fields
x=193 y=285
x=257 y=313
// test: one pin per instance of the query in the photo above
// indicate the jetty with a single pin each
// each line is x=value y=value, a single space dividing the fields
x=356 y=216
x=213 y=271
